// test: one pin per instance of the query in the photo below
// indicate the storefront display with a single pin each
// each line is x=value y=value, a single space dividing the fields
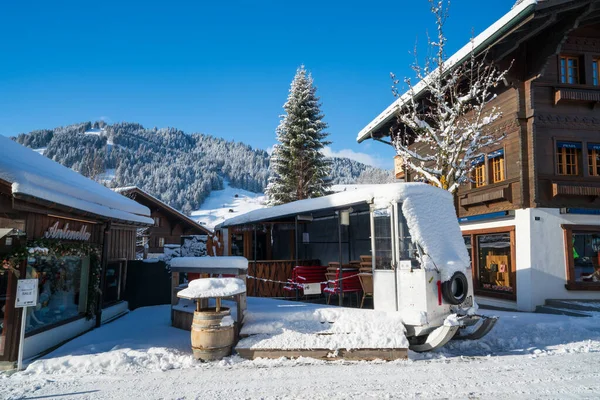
x=62 y=291
x=586 y=257
x=492 y=260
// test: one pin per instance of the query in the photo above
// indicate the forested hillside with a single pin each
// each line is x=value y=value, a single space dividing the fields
x=180 y=169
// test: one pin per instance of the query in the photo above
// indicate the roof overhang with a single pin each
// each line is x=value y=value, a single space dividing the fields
x=518 y=15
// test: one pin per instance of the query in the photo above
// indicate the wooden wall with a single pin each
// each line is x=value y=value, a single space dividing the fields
x=121 y=242
x=276 y=270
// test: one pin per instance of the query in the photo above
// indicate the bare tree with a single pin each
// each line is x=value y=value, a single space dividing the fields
x=445 y=130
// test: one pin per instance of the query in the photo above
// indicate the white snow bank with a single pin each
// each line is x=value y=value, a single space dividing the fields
x=141 y=340
x=210 y=262
x=429 y=213
x=289 y=325
x=213 y=287
x=35 y=175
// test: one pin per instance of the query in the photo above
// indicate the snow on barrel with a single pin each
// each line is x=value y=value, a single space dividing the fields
x=212 y=332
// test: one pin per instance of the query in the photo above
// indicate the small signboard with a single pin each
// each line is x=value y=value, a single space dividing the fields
x=27 y=293
x=405 y=265
x=312 y=288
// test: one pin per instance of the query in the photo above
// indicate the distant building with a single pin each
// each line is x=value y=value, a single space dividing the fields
x=169 y=224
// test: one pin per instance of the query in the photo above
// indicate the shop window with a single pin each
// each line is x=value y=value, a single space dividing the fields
x=161 y=242
x=582 y=249
x=496 y=159
x=491 y=254
x=595 y=65
x=382 y=224
x=569 y=69
x=567 y=158
x=62 y=284
x=479 y=172
x=114 y=279
x=594 y=159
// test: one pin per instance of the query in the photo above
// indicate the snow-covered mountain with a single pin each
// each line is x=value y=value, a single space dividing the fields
x=178 y=168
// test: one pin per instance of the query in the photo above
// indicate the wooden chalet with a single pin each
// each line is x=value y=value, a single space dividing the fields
x=71 y=234
x=531 y=215
x=169 y=224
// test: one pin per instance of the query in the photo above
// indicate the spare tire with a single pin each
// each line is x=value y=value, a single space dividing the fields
x=456 y=289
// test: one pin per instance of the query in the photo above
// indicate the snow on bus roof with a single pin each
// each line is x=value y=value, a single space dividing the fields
x=35 y=175
x=429 y=214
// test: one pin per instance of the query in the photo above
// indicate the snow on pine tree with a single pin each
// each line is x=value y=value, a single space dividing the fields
x=446 y=130
x=298 y=167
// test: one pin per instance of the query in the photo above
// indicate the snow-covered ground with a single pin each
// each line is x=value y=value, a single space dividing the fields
x=223 y=204
x=141 y=356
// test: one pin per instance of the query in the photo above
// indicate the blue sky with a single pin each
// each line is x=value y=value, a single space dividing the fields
x=216 y=67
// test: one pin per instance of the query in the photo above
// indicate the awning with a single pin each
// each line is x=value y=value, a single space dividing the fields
x=568 y=145
x=497 y=153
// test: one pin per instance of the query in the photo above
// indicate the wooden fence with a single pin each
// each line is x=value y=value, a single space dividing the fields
x=276 y=270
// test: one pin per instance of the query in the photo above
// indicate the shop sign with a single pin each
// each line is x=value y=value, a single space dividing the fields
x=27 y=291
x=54 y=232
x=312 y=288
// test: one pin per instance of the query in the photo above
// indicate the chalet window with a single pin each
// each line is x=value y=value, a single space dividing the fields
x=479 y=172
x=594 y=159
x=496 y=159
x=567 y=158
x=582 y=248
x=156 y=221
x=161 y=242
x=595 y=65
x=569 y=69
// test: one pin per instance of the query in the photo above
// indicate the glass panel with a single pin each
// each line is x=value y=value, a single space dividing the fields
x=60 y=290
x=586 y=253
x=112 y=282
x=494 y=267
x=408 y=251
x=595 y=72
x=563 y=71
x=237 y=245
x=382 y=223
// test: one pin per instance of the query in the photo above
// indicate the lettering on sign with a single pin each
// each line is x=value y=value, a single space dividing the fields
x=27 y=293
x=54 y=232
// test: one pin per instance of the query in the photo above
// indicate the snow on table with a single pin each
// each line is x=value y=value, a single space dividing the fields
x=212 y=287
x=226 y=263
x=284 y=325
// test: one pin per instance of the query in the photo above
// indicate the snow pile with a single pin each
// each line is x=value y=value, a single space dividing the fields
x=213 y=287
x=286 y=325
x=234 y=262
x=141 y=340
x=34 y=175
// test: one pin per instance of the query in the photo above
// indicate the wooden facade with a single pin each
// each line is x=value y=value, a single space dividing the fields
x=34 y=219
x=169 y=224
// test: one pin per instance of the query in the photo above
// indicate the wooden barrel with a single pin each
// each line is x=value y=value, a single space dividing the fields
x=212 y=340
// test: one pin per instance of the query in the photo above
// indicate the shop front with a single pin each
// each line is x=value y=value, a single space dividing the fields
x=71 y=234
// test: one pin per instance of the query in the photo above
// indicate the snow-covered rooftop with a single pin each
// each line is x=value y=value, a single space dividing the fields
x=478 y=44
x=35 y=175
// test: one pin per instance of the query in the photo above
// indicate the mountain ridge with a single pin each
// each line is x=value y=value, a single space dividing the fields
x=179 y=168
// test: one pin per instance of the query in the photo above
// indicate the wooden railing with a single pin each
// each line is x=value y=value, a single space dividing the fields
x=275 y=270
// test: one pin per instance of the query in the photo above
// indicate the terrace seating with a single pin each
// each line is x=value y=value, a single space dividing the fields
x=366 y=282
x=351 y=282
x=306 y=274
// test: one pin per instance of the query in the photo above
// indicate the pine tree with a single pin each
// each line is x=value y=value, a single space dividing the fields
x=298 y=167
